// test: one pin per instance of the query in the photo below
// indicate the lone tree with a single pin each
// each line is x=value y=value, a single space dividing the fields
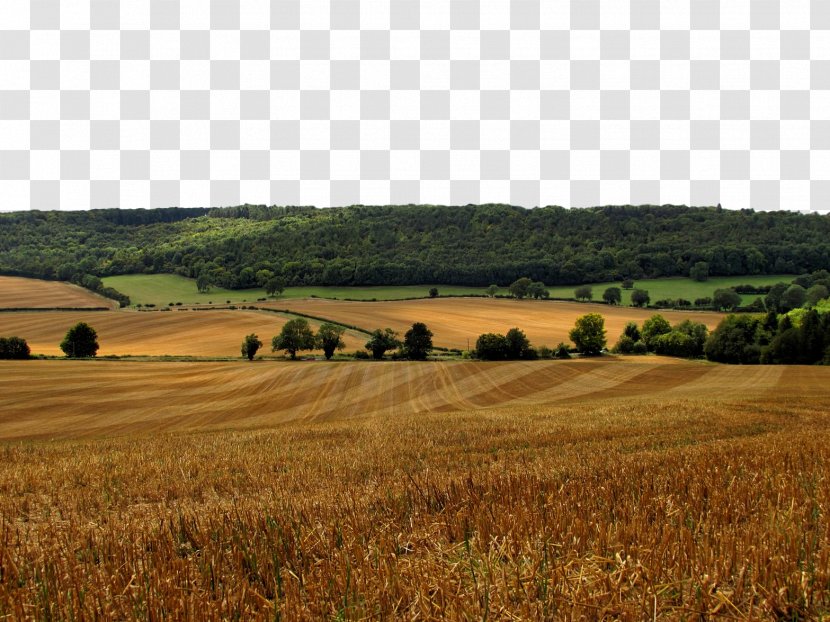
x=330 y=338
x=433 y=292
x=640 y=298
x=520 y=287
x=537 y=290
x=612 y=295
x=80 y=341
x=275 y=286
x=381 y=341
x=588 y=334
x=699 y=271
x=417 y=342
x=250 y=346
x=295 y=335
x=491 y=290
x=203 y=283
x=584 y=292
x=14 y=348
x=726 y=299
x=627 y=283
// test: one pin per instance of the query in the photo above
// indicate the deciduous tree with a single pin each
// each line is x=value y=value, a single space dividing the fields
x=250 y=346
x=296 y=335
x=81 y=341
x=588 y=334
x=381 y=341
x=330 y=338
x=417 y=342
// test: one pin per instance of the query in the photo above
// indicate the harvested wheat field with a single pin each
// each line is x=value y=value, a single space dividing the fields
x=548 y=490
x=454 y=321
x=214 y=333
x=20 y=293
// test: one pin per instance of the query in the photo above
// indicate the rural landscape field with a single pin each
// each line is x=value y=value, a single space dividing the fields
x=165 y=476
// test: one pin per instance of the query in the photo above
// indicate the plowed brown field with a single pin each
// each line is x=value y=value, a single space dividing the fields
x=16 y=292
x=156 y=333
x=454 y=321
x=63 y=398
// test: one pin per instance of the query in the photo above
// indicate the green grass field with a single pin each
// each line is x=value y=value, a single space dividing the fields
x=660 y=289
x=162 y=289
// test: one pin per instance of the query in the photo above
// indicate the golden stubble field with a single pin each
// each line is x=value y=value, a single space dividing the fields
x=18 y=292
x=212 y=333
x=539 y=490
x=455 y=322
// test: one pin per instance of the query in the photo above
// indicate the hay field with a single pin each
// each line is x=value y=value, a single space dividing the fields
x=17 y=292
x=216 y=333
x=454 y=321
x=80 y=398
x=620 y=491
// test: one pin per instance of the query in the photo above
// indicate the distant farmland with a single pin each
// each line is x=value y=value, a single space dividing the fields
x=16 y=292
x=211 y=333
x=454 y=321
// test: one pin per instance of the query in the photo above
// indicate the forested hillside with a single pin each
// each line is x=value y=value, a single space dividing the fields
x=459 y=245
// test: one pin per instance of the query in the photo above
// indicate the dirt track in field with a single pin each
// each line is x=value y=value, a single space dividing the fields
x=16 y=292
x=78 y=398
x=156 y=333
x=454 y=321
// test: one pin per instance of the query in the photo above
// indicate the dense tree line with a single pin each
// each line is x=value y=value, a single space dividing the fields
x=387 y=245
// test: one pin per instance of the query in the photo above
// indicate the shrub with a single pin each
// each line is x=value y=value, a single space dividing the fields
x=562 y=351
x=735 y=341
x=639 y=348
x=624 y=345
x=653 y=327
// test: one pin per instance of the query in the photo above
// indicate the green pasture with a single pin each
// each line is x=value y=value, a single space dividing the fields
x=162 y=289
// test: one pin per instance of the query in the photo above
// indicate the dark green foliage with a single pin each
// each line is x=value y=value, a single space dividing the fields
x=588 y=334
x=518 y=345
x=699 y=271
x=81 y=341
x=203 y=283
x=492 y=347
x=703 y=302
x=627 y=283
x=330 y=338
x=296 y=335
x=816 y=293
x=381 y=341
x=773 y=298
x=433 y=292
x=624 y=345
x=756 y=306
x=537 y=290
x=274 y=286
x=793 y=297
x=520 y=287
x=735 y=340
x=639 y=348
x=640 y=298
x=250 y=346
x=417 y=342
x=492 y=290
x=612 y=295
x=561 y=351
x=653 y=327
x=584 y=292
x=14 y=348
x=685 y=339
x=632 y=331
x=726 y=299
x=389 y=245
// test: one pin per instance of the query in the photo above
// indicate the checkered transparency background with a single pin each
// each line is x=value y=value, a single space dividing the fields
x=148 y=103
